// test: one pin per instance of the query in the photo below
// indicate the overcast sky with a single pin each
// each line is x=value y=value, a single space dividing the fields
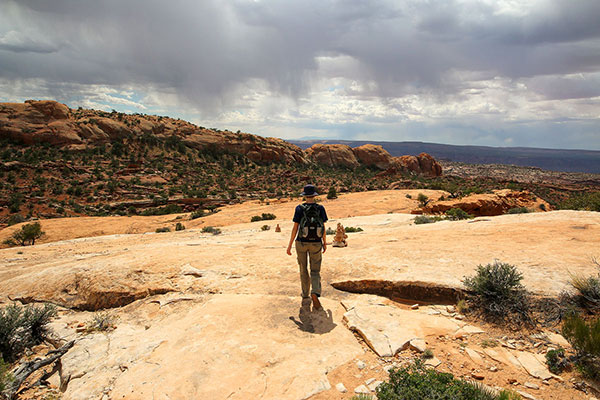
x=484 y=72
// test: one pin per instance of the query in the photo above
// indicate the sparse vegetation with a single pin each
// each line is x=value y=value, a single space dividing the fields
x=197 y=214
x=163 y=230
x=496 y=292
x=101 y=322
x=587 y=291
x=585 y=339
x=455 y=214
x=263 y=217
x=330 y=231
x=23 y=327
x=5 y=377
x=519 y=210
x=427 y=354
x=265 y=228
x=179 y=226
x=168 y=209
x=427 y=219
x=557 y=361
x=589 y=201
x=211 y=229
x=27 y=235
x=351 y=229
x=418 y=382
x=332 y=194
x=422 y=199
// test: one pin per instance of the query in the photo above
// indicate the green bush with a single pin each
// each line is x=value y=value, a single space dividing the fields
x=455 y=214
x=588 y=291
x=556 y=360
x=101 y=322
x=589 y=201
x=418 y=382
x=197 y=214
x=332 y=194
x=16 y=219
x=351 y=229
x=265 y=228
x=422 y=199
x=211 y=229
x=179 y=226
x=518 y=210
x=5 y=377
x=497 y=292
x=426 y=219
x=256 y=218
x=163 y=230
x=22 y=328
x=330 y=231
x=27 y=235
x=263 y=217
x=585 y=339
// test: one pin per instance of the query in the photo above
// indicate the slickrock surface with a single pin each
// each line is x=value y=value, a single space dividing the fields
x=221 y=316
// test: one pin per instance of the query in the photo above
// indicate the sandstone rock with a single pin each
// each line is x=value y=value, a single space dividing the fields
x=531 y=385
x=497 y=203
x=332 y=155
x=533 y=365
x=526 y=395
x=418 y=345
x=477 y=375
x=474 y=356
x=373 y=385
x=433 y=362
x=341 y=388
x=360 y=364
x=362 y=389
x=373 y=155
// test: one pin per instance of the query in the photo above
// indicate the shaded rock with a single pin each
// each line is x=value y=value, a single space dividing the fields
x=418 y=345
x=373 y=156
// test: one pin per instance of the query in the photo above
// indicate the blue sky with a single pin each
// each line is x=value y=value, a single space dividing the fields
x=483 y=72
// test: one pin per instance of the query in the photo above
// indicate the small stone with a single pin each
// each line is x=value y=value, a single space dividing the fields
x=418 y=345
x=360 y=364
x=526 y=395
x=545 y=382
x=531 y=385
x=511 y=381
x=459 y=317
x=341 y=388
x=369 y=381
x=387 y=368
x=433 y=312
x=494 y=368
x=414 y=307
x=374 y=385
x=450 y=309
x=362 y=389
x=477 y=375
x=433 y=362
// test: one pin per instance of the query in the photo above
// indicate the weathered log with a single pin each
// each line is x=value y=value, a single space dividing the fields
x=27 y=368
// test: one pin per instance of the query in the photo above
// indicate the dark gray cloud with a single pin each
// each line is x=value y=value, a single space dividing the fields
x=210 y=55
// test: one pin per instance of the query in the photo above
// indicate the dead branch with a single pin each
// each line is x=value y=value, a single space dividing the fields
x=27 y=368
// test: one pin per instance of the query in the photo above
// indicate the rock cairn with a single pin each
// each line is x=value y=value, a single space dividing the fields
x=339 y=240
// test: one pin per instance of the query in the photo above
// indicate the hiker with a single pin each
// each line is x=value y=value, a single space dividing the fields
x=309 y=235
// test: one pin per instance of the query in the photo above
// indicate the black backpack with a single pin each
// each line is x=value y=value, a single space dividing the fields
x=311 y=224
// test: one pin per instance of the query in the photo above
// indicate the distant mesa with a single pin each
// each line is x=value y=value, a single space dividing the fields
x=47 y=121
x=341 y=155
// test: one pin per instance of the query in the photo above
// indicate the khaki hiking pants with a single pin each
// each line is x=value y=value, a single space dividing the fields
x=311 y=250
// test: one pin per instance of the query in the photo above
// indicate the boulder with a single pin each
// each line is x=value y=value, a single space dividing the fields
x=332 y=155
x=373 y=156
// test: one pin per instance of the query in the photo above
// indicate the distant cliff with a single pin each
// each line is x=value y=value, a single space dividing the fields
x=550 y=159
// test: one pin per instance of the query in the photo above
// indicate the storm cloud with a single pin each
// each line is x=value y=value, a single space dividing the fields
x=464 y=72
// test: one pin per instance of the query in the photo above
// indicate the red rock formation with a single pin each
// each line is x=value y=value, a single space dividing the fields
x=54 y=123
x=332 y=155
x=496 y=203
x=373 y=155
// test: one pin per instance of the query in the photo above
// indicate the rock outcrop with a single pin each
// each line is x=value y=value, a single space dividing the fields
x=336 y=155
x=54 y=123
x=496 y=203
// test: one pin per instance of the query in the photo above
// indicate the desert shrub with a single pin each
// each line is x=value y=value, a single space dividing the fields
x=168 y=209
x=408 y=196
x=422 y=199
x=585 y=339
x=587 y=291
x=16 y=219
x=428 y=353
x=589 y=201
x=163 y=230
x=263 y=217
x=27 y=235
x=456 y=214
x=556 y=360
x=417 y=382
x=518 y=210
x=101 y=322
x=211 y=229
x=332 y=194
x=362 y=396
x=330 y=231
x=265 y=228
x=197 y=214
x=22 y=328
x=14 y=202
x=496 y=291
x=427 y=219
x=351 y=229
x=179 y=226
x=5 y=377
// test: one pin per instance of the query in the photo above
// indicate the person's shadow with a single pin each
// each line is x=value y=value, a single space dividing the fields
x=315 y=321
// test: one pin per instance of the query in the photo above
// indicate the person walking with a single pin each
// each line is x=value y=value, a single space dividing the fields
x=309 y=235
